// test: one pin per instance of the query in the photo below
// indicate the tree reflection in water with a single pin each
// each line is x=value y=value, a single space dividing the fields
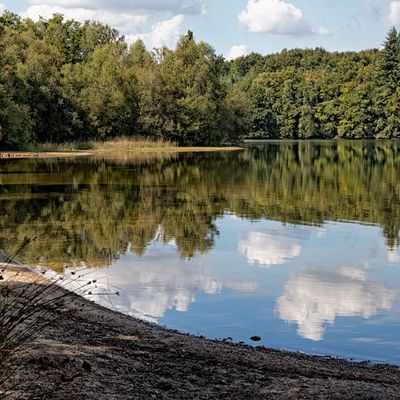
x=93 y=211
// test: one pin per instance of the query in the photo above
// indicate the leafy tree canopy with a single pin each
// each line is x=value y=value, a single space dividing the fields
x=62 y=80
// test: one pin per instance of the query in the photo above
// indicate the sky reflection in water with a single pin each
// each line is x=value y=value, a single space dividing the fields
x=320 y=290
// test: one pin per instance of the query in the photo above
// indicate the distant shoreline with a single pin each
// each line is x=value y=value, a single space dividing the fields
x=337 y=140
x=118 y=150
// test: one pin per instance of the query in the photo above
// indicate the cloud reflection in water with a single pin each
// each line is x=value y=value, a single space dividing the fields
x=149 y=287
x=315 y=298
x=266 y=250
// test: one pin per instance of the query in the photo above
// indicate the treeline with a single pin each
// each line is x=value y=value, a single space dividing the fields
x=301 y=94
x=63 y=81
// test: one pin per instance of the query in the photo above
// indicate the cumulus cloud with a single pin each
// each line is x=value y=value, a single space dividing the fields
x=2 y=7
x=313 y=299
x=236 y=51
x=276 y=17
x=267 y=250
x=130 y=17
x=124 y=22
x=173 y=6
x=165 y=33
x=394 y=15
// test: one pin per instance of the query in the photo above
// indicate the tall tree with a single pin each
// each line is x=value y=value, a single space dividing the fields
x=387 y=91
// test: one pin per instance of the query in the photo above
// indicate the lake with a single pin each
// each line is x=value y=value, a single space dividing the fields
x=295 y=242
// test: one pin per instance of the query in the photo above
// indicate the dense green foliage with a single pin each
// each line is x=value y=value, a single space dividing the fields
x=64 y=81
x=305 y=94
x=94 y=210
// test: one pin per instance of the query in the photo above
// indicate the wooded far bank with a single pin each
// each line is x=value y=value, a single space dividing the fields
x=63 y=81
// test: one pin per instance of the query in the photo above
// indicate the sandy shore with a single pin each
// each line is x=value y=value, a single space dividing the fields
x=94 y=353
x=121 y=152
x=14 y=155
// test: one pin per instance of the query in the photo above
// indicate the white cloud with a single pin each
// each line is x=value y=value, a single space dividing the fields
x=266 y=250
x=165 y=33
x=394 y=15
x=276 y=17
x=124 y=22
x=313 y=299
x=2 y=7
x=321 y=31
x=236 y=51
x=173 y=6
x=128 y=16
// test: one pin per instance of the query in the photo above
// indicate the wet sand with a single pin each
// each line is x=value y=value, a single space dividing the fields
x=95 y=353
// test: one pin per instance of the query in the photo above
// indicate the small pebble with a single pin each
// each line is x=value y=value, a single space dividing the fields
x=86 y=366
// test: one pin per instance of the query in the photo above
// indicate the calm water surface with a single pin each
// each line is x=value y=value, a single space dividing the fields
x=296 y=242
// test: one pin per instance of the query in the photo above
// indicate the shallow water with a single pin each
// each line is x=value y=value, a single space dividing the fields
x=295 y=242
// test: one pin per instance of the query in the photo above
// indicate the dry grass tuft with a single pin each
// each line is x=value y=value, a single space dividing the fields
x=132 y=144
x=29 y=302
x=127 y=144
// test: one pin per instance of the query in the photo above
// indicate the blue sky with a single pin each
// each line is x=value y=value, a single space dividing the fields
x=234 y=27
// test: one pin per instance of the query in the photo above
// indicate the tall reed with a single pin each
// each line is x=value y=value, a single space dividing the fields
x=30 y=302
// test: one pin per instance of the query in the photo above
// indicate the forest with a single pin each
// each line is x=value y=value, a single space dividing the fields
x=64 y=81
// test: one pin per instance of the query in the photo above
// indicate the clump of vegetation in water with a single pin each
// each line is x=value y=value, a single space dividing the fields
x=131 y=144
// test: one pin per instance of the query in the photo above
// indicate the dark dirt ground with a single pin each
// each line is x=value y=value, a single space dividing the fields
x=95 y=353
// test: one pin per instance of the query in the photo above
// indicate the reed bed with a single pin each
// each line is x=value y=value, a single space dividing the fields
x=125 y=144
